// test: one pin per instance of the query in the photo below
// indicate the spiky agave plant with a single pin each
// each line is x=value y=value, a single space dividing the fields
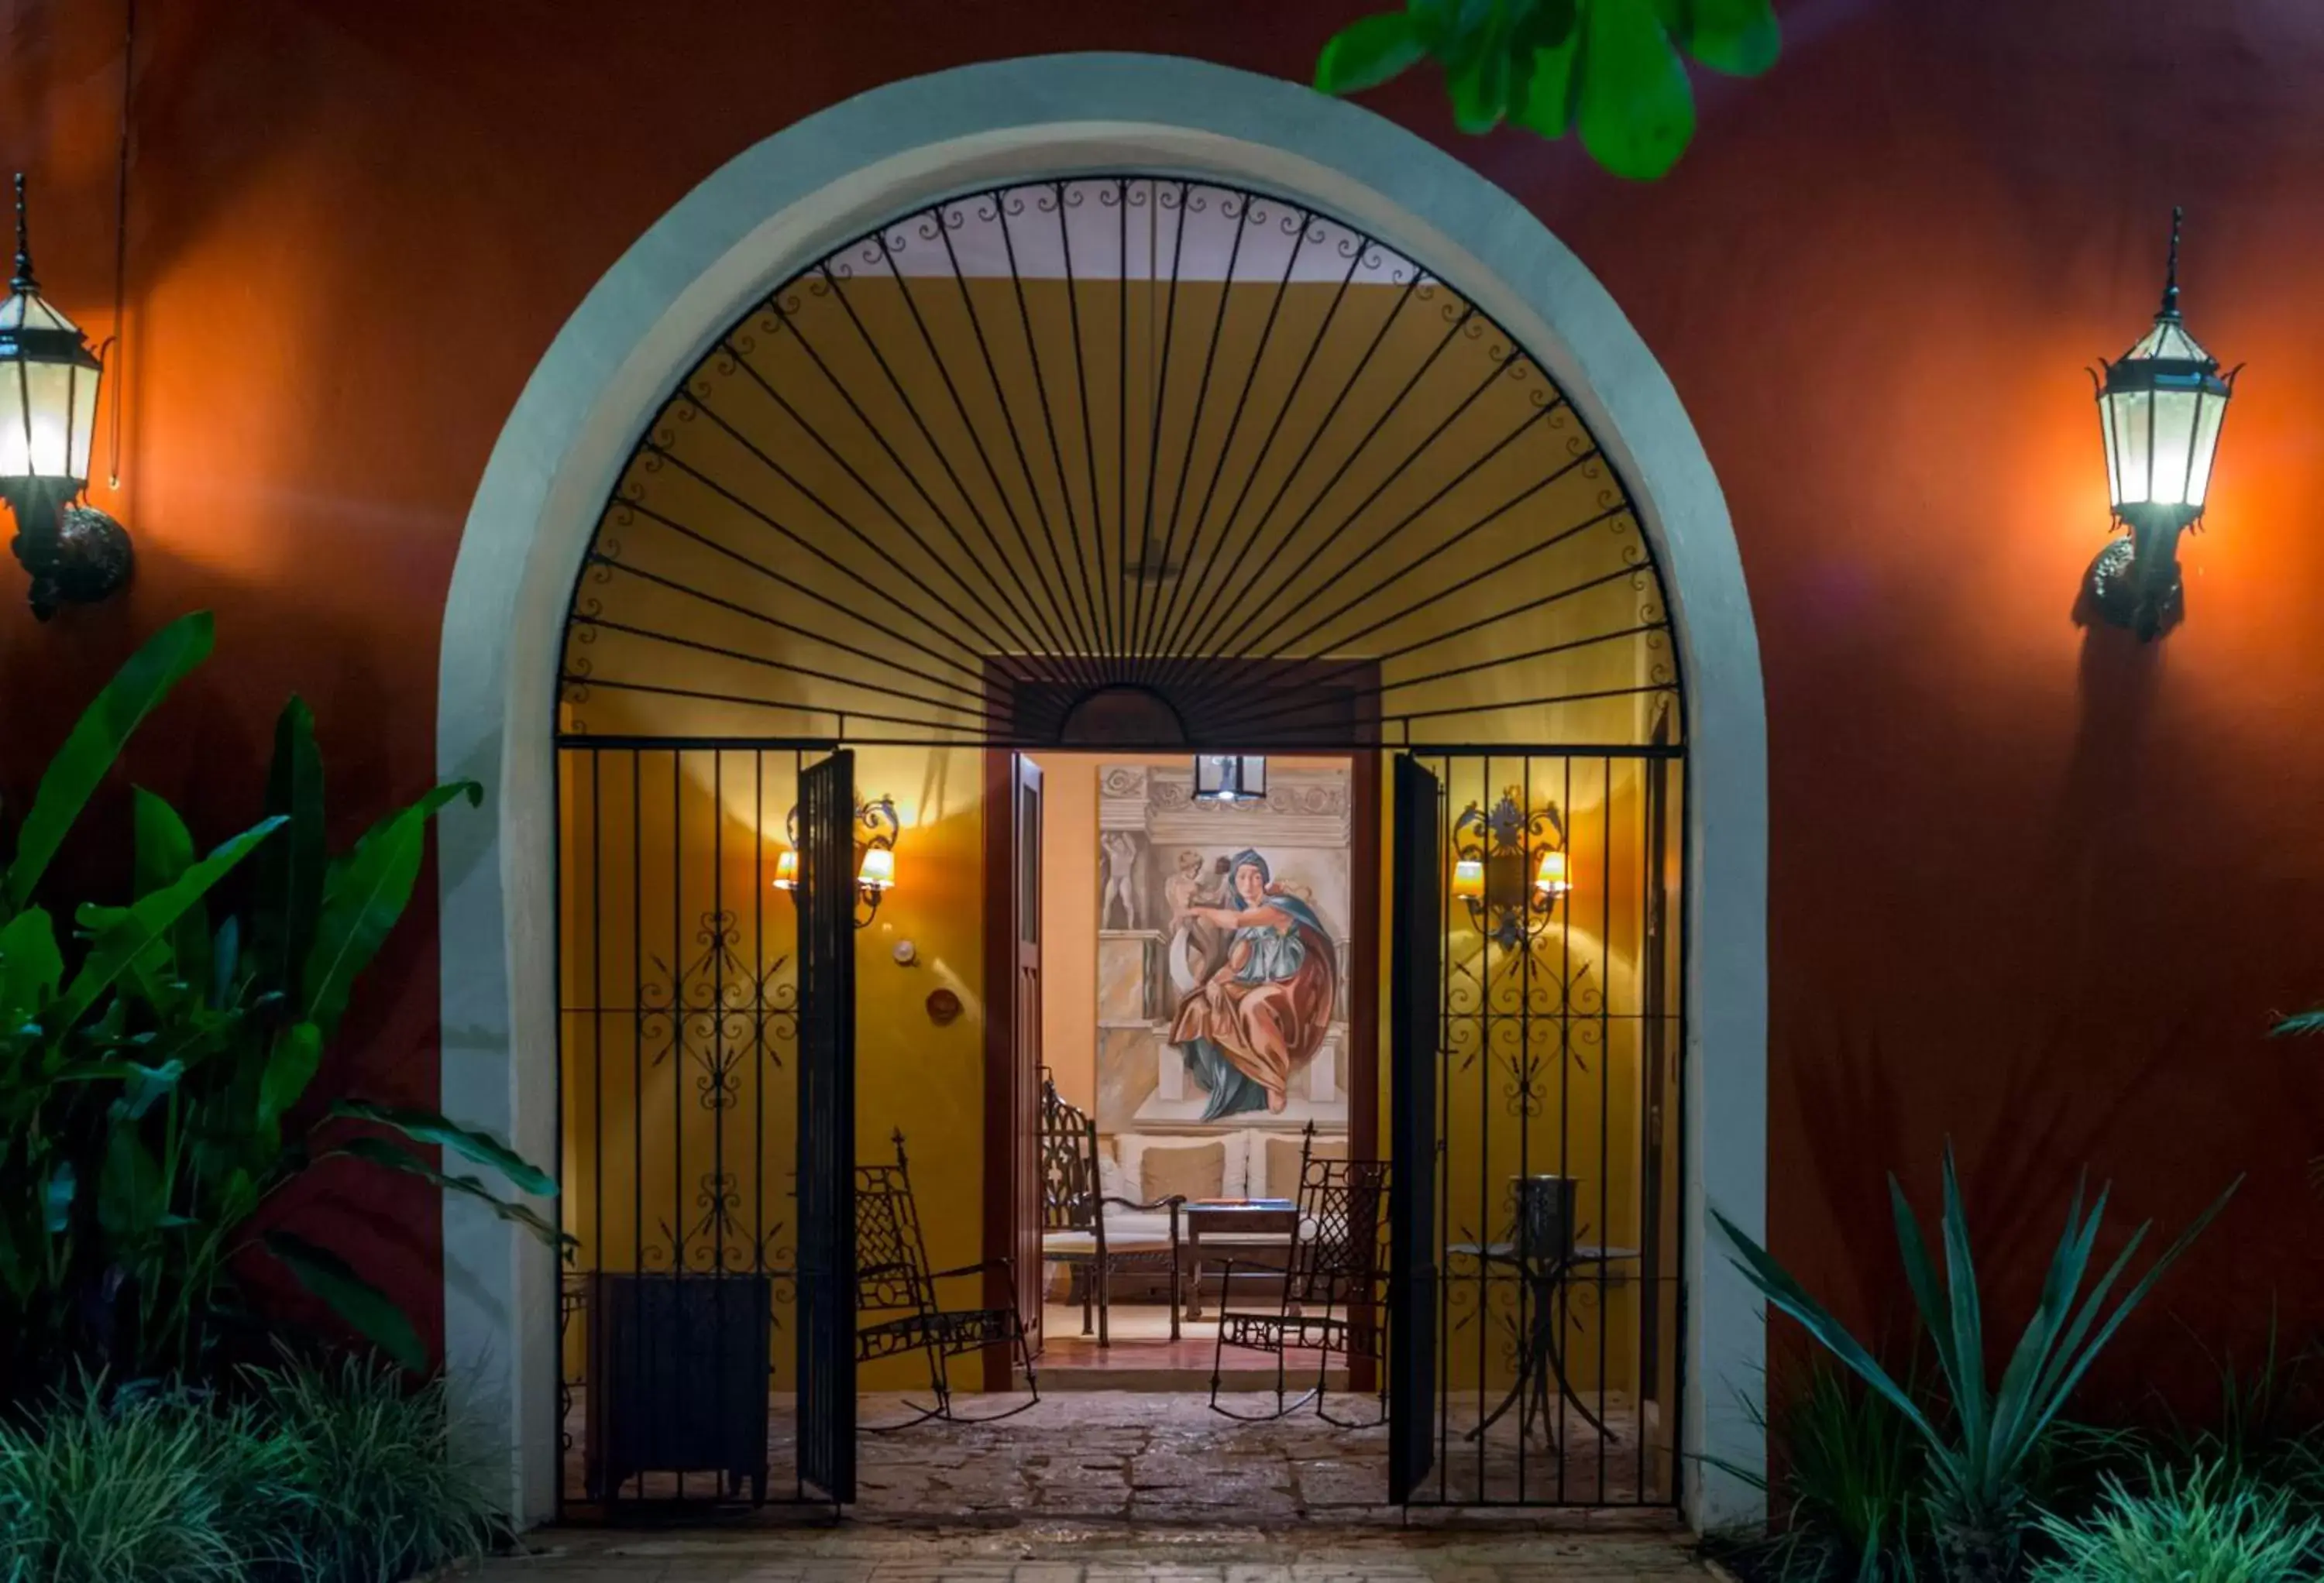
x=1979 y=1457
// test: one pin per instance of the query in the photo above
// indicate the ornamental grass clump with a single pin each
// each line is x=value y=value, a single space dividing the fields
x=2203 y=1526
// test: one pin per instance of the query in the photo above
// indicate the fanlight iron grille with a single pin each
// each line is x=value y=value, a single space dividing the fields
x=1118 y=459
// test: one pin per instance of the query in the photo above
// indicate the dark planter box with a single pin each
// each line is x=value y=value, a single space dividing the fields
x=677 y=1379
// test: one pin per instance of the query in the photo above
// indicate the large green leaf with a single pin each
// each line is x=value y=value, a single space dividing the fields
x=1739 y=37
x=1777 y=1286
x=291 y=869
x=79 y=766
x=427 y=1127
x=132 y=1194
x=1636 y=108
x=165 y=851
x=378 y=1151
x=371 y=1312
x=366 y=893
x=31 y=966
x=290 y=1066
x=145 y=1087
x=1548 y=104
x=127 y=937
x=1367 y=51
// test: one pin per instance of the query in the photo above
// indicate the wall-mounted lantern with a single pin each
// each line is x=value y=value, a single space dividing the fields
x=49 y=377
x=1222 y=777
x=1509 y=899
x=2160 y=410
x=876 y=829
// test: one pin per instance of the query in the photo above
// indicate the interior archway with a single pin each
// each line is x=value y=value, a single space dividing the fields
x=857 y=169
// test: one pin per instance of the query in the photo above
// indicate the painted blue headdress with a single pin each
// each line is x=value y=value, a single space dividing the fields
x=1247 y=858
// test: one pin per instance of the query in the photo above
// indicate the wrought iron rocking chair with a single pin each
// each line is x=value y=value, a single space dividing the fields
x=1331 y=1296
x=896 y=1306
x=1073 y=1230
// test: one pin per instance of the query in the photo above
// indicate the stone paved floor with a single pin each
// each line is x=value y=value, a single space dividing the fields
x=1062 y=1554
x=1168 y=1460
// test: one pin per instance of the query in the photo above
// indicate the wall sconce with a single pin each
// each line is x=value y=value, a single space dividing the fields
x=2160 y=409
x=1506 y=903
x=876 y=829
x=49 y=377
x=1221 y=777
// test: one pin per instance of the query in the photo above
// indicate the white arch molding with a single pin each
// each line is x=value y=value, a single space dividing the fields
x=775 y=209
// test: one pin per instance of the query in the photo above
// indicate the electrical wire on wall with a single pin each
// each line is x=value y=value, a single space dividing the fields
x=113 y=342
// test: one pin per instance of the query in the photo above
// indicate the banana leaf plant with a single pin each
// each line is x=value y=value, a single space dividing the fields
x=166 y=1083
x=1980 y=1453
x=1613 y=70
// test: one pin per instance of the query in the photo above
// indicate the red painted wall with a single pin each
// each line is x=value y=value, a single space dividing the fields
x=2033 y=889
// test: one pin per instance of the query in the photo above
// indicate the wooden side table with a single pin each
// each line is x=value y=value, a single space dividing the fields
x=1248 y=1233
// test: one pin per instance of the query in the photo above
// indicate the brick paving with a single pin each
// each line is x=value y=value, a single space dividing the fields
x=1165 y=1458
x=1057 y=1553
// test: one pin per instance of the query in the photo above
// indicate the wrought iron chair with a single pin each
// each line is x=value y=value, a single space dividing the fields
x=1073 y=1230
x=1332 y=1298
x=898 y=1309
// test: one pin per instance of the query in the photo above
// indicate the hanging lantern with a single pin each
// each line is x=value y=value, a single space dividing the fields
x=2160 y=410
x=48 y=411
x=1229 y=778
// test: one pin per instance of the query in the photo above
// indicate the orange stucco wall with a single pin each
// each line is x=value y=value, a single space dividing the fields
x=2033 y=889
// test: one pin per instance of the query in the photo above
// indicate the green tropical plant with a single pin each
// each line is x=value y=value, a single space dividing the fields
x=1980 y=1453
x=1848 y=1502
x=1612 y=70
x=2204 y=1527
x=154 y=1100
x=288 y=1474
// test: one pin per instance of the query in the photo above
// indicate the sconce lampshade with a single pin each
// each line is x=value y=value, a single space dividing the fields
x=1549 y=878
x=786 y=871
x=2160 y=407
x=47 y=384
x=1469 y=879
x=1227 y=777
x=878 y=872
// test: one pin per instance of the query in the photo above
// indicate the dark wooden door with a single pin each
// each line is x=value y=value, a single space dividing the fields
x=825 y=895
x=1416 y=996
x=1026 y=1044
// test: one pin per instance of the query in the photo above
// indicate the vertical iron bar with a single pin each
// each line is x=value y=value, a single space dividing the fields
x=678 y=1040
x=1105 y=590
x=1166 y=605
x=1083 y=615
x=1058 y=607
x=1149 y=571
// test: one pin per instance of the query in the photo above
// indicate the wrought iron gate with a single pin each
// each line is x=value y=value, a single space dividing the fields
x=678 y=1029
x=826 y=1135
x=1536 y=1040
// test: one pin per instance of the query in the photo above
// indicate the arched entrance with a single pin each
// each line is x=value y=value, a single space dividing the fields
x=896 y=637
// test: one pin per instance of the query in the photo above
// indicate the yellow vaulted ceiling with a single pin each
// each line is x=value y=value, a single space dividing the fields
x=1109 y=436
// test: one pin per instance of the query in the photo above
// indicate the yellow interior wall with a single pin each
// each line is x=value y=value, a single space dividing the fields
x=645 y=859
x=1590 y=1044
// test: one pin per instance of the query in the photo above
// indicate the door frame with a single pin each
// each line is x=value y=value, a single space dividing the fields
x=1004 y=1210
x=774 y=209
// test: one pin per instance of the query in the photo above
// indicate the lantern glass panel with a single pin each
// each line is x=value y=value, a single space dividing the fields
x=47 y=412
x=2130 y=434
x=2175 y=442
x=2206 y=445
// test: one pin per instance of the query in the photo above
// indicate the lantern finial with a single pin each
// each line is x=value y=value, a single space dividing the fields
x=24 y=281
x=2170 y=269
